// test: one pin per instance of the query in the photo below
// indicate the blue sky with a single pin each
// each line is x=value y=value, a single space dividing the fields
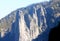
x=7 y=6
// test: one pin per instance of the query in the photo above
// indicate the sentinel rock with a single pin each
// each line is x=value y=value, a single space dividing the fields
x=31 y=23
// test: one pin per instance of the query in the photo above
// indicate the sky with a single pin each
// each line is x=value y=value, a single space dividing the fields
x=7 y=6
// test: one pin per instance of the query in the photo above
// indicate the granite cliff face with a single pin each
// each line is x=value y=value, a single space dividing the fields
x=31 y=23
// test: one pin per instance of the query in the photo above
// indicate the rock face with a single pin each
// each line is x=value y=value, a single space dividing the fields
x=54 y=33
x=31 y=23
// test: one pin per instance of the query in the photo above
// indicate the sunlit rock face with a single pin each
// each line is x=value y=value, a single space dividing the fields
x=31 y=23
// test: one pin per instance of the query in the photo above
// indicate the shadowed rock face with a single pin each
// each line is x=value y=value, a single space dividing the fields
x=31 y=23
x=54 y=34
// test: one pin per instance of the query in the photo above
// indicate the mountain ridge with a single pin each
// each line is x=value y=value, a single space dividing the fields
x=32 y=21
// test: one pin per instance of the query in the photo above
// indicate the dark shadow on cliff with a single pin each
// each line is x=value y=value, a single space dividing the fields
x=54 y=34
x=13 y=35
x=49 y=34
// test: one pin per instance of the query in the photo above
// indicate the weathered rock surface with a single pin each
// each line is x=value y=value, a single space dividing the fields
x=29 y=23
